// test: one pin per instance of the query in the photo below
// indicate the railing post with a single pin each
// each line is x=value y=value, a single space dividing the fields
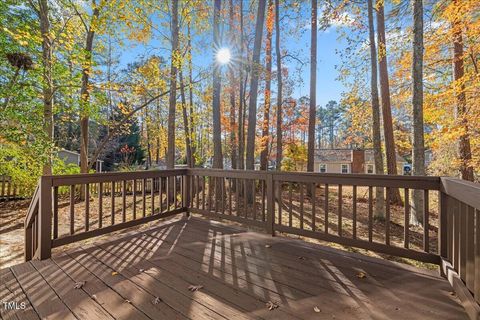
x=442 y=225
x=45 y=219
x=270 y=205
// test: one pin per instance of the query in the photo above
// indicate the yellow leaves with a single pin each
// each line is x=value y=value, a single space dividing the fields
x=123 y=108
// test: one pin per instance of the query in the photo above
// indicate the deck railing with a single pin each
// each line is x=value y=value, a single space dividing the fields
x=338 y=208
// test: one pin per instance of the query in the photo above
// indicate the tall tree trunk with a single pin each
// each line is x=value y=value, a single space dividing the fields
x=85 y=94
x=268 y=88
x=386 y=105
x=241 y=100
x=312 y=116
x=233 y=137
x=464 y=148
x=255 y=69
x=217 y=129
x=47 y=82
x=417 y=104
x=376 y=135
x=172 y=102
x=186 y=127
x=190 y=91
x=279 y=87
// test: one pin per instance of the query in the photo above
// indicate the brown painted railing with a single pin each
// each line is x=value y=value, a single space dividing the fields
x=460 y=247
x=337 y=208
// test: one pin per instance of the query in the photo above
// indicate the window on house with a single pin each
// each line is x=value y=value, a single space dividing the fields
x=323 y=168
x=344 y=168
x=369 y=168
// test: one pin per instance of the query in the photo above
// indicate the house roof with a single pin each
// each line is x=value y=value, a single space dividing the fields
x=369 y=156
x=333 y=155
x=345 y=155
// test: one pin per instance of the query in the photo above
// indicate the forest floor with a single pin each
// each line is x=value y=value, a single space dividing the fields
x=12 y=215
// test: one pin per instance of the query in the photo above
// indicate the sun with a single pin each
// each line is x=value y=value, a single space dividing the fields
x=224 y=56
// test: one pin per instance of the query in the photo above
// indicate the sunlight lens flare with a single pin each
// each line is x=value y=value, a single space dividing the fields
x=224 y=56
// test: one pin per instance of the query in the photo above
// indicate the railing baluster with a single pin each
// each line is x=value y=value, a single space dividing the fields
x=300 y=185
x=325 y=207
x=280 y=202
x=87 y=206
x=124 y=200
x=134 y=196
x=426 y=224
x=370 y=213
x=340 y=205
x=152 y=197
x=209 y=194
x=477 y=257
x=144 y=197
x=254 y=190
x=470 y=248
x=354 y=213
x=203 y=192
x=174 y=192
x=72 y=209
x=313 y=201
x=100 y=204
x=262 y=183
x=406 y=220
x=245 y=194
x=55 y=212
x=112 y=197
x=463 y=241
x=222 y=185
x=456 y=234
x=387 y=216
x=230 y=196
x=290 y=204
x=237 y=198
x=160 y=193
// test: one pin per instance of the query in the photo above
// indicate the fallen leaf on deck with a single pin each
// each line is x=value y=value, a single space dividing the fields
x=317 y=309
x=114 y=273
x=268 y=246
x=271 y=305
x=141 y=270
x=194 y=288
x=79 y=285
x=157 y=300
x=361 y=275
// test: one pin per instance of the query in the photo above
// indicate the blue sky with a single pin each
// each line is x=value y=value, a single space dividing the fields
x=328 y=88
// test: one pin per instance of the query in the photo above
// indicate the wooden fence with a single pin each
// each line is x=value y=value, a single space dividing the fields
x=337 y=208
x=8 y=189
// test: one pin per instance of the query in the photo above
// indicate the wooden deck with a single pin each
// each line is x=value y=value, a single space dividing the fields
x=147 y=275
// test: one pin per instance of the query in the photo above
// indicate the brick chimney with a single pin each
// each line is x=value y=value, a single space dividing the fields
x=358 y=161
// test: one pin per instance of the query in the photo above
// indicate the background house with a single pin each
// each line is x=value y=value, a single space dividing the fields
x=349 y=161
x=74 y=157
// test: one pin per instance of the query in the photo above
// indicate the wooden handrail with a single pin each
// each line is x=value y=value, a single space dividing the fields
x=33 y=207
x=465 y=191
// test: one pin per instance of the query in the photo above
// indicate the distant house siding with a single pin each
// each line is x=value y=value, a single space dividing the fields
x=333 y=167
x=69 y=157
x=399 y=167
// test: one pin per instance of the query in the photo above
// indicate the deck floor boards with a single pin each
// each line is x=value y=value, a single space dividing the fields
x=147 y=274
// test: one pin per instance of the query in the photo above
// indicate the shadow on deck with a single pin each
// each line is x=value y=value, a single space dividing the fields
x=198 y=269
